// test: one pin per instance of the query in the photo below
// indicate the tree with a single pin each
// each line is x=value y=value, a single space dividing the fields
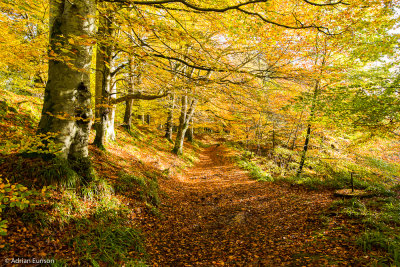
x=170 y=118
x=308 y=134
x=67 y=103
x=187 y=111
x=105 y=87
x=190 y=132
x=133 y=77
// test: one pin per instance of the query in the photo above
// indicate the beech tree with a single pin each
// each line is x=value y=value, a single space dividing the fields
x=170 y=118
x=133 y=77
x=187 y=111
x=105 y=87
x=67 y=102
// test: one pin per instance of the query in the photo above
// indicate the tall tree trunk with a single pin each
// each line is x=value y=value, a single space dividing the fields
x=141 y=118
x=190 y=132
x=103 y=83
x=148 y=119
x=110 y=134
x=133 y=81
x=170 y=118
x=186 y=115
x=67 y=109
x=128 y=112
x=305 y=148
x=308 y=135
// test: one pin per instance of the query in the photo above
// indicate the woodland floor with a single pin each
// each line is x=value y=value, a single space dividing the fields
x=214 y=215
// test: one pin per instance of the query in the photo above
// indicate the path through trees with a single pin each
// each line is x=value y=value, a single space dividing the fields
x=215 y=215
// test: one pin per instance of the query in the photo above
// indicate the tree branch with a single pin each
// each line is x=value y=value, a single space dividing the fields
x=138 y=95
x=198 y=8
x=120 y=67
x=236 y=7
x=326 y=4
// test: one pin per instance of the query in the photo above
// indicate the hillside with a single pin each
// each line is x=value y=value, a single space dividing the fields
x=150 y=207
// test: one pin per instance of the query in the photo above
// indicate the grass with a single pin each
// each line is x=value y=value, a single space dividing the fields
x=109 y=241
x=254 y=170
x=380 y=217
x=102 y=231
x=371 y=174
x=372 y=240
x=39 y=217
x=190 y=158
x=337 y=181
x=147 y=188
x=135 y=133
x=199 y=144
x=60 y=172
x=37 y=170
x=354 y=208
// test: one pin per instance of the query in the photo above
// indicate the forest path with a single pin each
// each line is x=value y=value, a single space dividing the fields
x=215 y=215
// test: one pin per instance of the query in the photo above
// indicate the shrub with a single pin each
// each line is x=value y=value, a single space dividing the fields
x=255 y=171
x=17 y=196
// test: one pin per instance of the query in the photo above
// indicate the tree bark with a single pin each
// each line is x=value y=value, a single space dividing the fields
x=111 y=116
x=141 y=118
x=133 y=81
x=67 y=104
x=148 y=119
x=308 y=135
x=170 y=119
x=190 y=132
x=138 y=95
x=184 y=119
x=128 y=114
x=129 y=102
x=104 y=87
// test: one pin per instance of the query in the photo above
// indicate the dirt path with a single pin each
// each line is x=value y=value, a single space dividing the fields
x=216 y=216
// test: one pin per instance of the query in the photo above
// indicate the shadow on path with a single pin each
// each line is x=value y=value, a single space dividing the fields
x=216 y=215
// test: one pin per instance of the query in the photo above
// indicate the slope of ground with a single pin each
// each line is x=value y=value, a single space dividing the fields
x=211 y=214
x=87 y=228
x=215 y=215
x=99 y=223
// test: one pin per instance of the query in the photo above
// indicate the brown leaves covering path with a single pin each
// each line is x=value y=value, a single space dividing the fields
x=215 y=215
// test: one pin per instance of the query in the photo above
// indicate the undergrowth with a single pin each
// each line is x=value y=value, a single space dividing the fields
x=111 y=240
x=254 y=170
x=282 y=165
x=146 y=187
x=101 y=230
x=380 y=217
x=34 y=170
